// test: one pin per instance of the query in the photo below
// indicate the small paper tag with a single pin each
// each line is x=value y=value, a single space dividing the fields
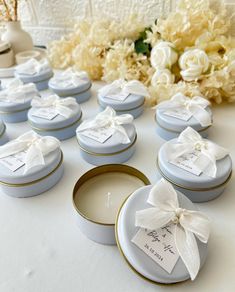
x=159 y=245
x=45 y=113
x=186 y=162
x=120 y=96
x=100 y=135
x=14 y=162
x=181 y=114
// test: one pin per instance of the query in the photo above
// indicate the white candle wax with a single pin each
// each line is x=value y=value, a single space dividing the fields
x=100 y=197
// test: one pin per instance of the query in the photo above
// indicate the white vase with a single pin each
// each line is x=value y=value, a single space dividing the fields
x=20 y=40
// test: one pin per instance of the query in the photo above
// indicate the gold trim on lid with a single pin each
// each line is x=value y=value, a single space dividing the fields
x=71 y=95
x=122 y=168
x=193 y=189
x=178 y=132
x=34 y=181
x=55 y=129
x=127 y=261
x=15 y=111
x=124 y=110
x=107 y=154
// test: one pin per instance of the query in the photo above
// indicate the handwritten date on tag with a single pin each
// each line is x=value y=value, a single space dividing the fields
x=159 y=245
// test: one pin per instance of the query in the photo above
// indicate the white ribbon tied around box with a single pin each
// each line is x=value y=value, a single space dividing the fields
x=195 y=106
x=69 y=78
x=62 y=106
x=190 y=140
x=33 y=67
x=36 y=148
x=17 y=92
x=188 y=224
x=109 y=119
x=121 y=86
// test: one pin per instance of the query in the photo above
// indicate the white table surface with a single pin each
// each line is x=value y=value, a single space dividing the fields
x=42 y=249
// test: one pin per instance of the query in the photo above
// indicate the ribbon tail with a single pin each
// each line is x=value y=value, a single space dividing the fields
x=12 y=148
x=187 y=248
x=124 y=138
x=34 y=157
x=201 y=115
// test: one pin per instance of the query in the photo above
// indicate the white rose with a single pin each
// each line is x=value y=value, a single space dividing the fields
x=162 y=76
x=193 y=63
x=163 y=55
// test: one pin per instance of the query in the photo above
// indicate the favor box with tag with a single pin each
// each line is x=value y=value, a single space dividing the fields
x=188 y=179
x=39 y=79
x=14 y=112
x=81 y=92
x=3 y=135
x=15 y=182
x=152 y=254
x=103 y=146
x=123 y=103
x=47 y=122
x=97 y=196
x=169 y=124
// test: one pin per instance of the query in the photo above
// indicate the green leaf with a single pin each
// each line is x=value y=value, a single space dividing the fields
x=141 y=47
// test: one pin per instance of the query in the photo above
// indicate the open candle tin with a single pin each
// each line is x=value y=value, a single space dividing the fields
x=133 y=104
x=97 y=196
x=198 y=188
x=59 y=127
x=136 y=259
x=40 y=79
x=81 y=92
x=38 y=180
x=168 y=127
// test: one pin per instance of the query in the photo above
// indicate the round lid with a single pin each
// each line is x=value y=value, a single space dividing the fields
x=71 y=90
x=18 y=177
x=43 y=76
x=132 y=101
x=55 y=123
x=137 y=259
x=4 y=46
x=111 y=145
x=186 y=179
x=178 y=125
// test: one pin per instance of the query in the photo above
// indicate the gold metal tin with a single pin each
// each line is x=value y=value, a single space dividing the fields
x=101 y=170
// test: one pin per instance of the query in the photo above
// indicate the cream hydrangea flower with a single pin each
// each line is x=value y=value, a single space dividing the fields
x=193 y=64
x=163 y=55
x=162 y=76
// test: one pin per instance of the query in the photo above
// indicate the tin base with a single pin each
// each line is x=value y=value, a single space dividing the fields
x=35 y=188
x=15 y=117
x=42 y=85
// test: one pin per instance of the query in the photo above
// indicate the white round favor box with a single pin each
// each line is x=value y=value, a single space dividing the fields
x=198 y=188
x=36 y=181
x=136 y=259
x=3 y=135
x=168 y=127
x=133 y=104
x=81 y=92
x=111 y=151
x=40 y=79
x=103 y=230
x=59 y=127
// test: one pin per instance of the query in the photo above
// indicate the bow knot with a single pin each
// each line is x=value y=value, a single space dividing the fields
x=188 y=224
x=69 y=78
x=121 y=86
x=109 y=119
x=32 y=67
x=195 y=106
x=208 y=152
x=35 y=146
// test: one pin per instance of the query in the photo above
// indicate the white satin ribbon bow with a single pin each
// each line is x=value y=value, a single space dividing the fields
x=188 y=224
x=62 y=106
x=32 y=67
x=17 y=92
x=121 y=86
x=195 y=106
x=69 y=78
x=188 y=141
x=36 y=148
x=109 y=119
